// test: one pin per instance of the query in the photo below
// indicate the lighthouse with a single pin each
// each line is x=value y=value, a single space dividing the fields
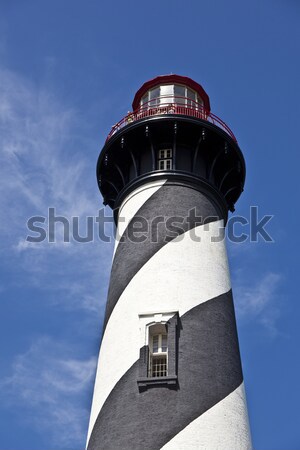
x=169 y=372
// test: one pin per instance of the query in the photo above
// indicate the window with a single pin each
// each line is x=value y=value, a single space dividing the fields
x=170 y=93
x=191 y=97
x=167 y=94
x=144 y=99
x=165 y=164
x=153 y=97
x=159 y=367
x=165 y=159
x=158 y=351
x=180 y=94
x=165 y=154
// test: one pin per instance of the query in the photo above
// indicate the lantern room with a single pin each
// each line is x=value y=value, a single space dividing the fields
x=172 y=90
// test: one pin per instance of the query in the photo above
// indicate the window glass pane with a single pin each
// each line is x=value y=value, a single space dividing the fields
x=180 y=94
x=144 y=99
x=190 y=94
x=179 y=90
x=155 y=344
x=158 y=347
x=199 y=99
x=165 y=164
x=153 y=95
x=165 y=153
x=164 y=343
x=191 y=98
x=159 y=366
x=167 y=93
x=167 y=89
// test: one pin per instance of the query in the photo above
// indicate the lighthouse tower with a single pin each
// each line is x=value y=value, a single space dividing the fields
x=169 y=373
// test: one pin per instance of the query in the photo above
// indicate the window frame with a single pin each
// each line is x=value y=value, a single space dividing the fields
x=157 y=330
x=165 y=159
x=170 y=321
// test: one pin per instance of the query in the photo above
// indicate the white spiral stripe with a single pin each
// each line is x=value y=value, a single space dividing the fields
x=189 y=273
x=132 y=204
x=225 y=426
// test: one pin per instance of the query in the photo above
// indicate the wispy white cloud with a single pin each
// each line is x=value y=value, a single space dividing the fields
x=51 y=384
x=47 y=161
x=258 y=300
x=42 y=162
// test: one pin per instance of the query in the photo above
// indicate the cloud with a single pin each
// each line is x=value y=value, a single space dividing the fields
x=259 y=301
x=52 y=385
x=41 y=159
x=47 y=160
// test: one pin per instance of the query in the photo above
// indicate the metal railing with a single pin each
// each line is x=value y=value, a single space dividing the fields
x=177 y=105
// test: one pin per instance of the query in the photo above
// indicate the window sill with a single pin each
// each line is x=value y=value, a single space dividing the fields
x=168 y=381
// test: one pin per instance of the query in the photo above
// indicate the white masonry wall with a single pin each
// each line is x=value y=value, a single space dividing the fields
x=185 y=290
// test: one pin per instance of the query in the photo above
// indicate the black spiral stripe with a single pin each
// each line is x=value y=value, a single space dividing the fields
x=169 y=201
x=209 y=369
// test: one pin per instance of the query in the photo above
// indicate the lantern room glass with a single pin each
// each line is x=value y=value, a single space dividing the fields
x=165 y=94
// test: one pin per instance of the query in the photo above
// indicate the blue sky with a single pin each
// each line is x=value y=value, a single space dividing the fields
x=68 y=72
